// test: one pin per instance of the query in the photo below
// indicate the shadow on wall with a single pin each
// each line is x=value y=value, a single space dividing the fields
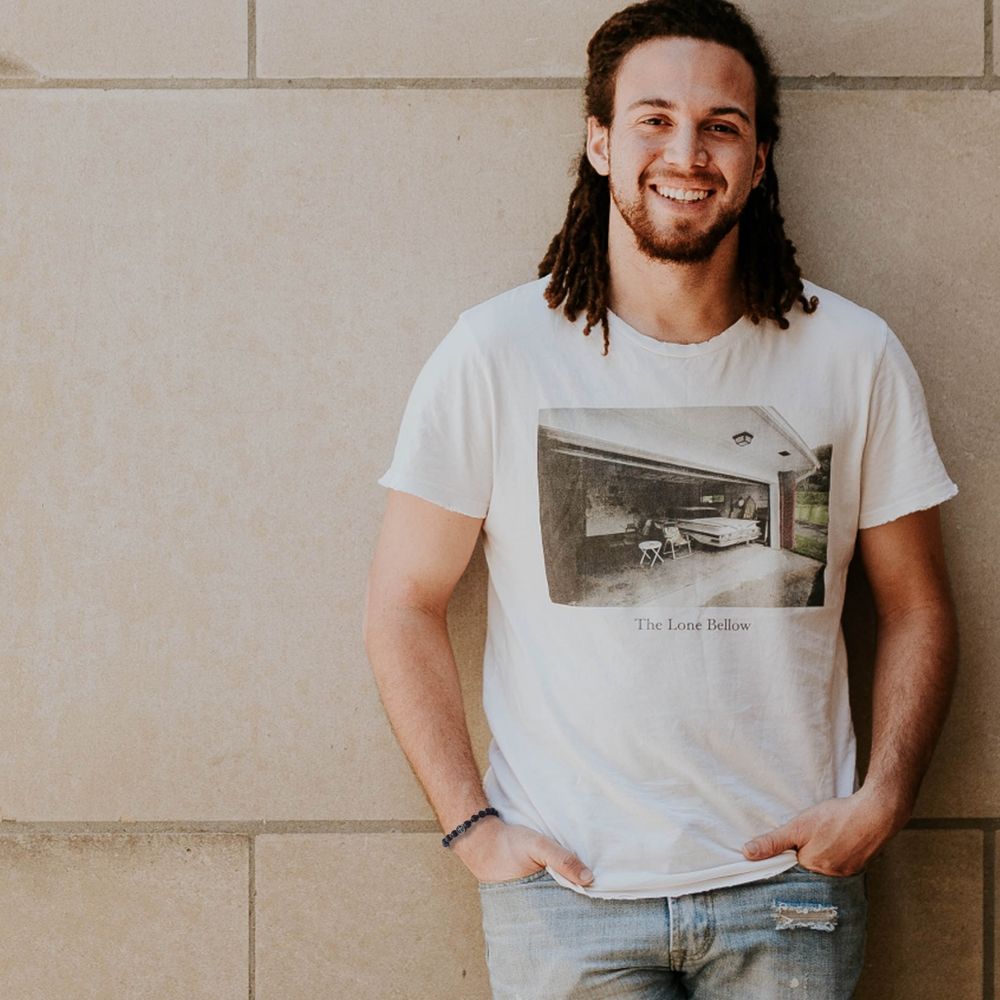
x=860 y=629
x=13 y=67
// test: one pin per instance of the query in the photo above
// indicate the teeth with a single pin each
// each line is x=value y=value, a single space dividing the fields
x=677 y=194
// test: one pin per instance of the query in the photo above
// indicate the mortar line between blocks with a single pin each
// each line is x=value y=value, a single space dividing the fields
x=953 y=823
x=251 y=39
x=987 y=82
x=988 y=70
x=989 y=913
x=252 y=914
x=255 y=828
x=68 y=828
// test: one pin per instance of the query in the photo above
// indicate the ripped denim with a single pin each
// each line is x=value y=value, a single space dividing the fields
x=797 y=935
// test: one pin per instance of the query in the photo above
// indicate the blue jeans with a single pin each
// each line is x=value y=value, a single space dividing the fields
x=797 y=935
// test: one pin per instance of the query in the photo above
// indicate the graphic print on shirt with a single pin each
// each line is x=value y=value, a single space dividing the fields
x=693 y=506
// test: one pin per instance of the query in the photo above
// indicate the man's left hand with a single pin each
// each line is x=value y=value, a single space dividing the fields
x=833 y=837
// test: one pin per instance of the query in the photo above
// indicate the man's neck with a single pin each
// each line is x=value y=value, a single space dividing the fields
x=678 y=303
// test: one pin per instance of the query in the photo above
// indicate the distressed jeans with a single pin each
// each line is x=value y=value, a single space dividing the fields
x=797 y=935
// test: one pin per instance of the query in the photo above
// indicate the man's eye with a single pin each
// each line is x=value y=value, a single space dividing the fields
x=654 y=120
x=725 y=128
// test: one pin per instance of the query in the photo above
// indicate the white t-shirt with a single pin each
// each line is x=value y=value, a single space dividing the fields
x=667 y=531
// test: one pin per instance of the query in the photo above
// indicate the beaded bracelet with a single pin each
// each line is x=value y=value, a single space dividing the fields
x=462 y=827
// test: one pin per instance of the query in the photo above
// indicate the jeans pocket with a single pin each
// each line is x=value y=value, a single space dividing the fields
x=801 y=870
x=522 y=880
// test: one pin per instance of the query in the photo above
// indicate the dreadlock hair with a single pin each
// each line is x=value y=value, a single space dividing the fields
x=577 y=257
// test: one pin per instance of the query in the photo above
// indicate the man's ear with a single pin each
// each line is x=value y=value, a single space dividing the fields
x=760 y=163
x=597 y=146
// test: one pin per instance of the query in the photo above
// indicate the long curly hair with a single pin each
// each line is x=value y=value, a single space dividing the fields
x=577 y=257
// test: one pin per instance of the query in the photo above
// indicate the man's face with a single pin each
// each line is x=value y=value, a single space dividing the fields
x=681 y=155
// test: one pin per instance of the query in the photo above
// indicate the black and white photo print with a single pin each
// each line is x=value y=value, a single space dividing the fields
x=693 y=506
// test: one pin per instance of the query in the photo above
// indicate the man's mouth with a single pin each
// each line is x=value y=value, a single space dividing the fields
x=682 y=194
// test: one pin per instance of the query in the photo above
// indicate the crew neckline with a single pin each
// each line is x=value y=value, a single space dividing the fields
x=726 y=338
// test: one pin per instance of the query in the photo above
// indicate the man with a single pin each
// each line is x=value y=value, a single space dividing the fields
x=675 y=805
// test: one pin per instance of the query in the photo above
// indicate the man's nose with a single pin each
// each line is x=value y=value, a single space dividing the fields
x=685 y=148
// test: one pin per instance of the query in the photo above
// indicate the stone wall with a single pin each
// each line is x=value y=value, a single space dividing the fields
x=230 y=233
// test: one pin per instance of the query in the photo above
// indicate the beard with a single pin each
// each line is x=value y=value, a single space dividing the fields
x=678 y=245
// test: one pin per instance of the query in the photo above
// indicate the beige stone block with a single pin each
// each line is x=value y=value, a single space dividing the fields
x=449 y=38
x=116 y=915
x=862 y=181
x=860 y=38
x=365 y=915
x=123 y=38
x=214 y=306
x=925 y=917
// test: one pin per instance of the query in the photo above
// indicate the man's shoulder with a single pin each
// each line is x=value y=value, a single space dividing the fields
x=513 y=312
x=514 y=324
x=839 y=318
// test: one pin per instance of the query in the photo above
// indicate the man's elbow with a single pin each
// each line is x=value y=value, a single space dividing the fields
x=931 y=623
x=935 y=609
x=390 y=602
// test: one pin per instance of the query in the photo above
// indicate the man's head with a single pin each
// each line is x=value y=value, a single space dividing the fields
x=680 y=149
x=709 y=20
x=680 y=99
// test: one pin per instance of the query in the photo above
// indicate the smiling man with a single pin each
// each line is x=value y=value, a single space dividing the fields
x=672 y=806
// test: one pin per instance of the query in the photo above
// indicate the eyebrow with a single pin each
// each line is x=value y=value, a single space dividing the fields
x=659 y=102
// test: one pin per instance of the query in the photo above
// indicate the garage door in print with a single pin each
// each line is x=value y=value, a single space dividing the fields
x=695 y=506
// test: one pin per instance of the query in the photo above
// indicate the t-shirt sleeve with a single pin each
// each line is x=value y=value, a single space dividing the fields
x=901 y=470
x=444 y=450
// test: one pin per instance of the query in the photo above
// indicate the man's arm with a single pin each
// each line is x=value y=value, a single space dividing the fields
x=916 y=659
x=421 y=553
x=916 y=655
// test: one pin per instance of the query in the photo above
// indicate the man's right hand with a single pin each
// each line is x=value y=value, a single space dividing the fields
x=495 y=851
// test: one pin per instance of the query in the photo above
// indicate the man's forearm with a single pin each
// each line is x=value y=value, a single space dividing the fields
x=915 y=666
x=414 y=666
